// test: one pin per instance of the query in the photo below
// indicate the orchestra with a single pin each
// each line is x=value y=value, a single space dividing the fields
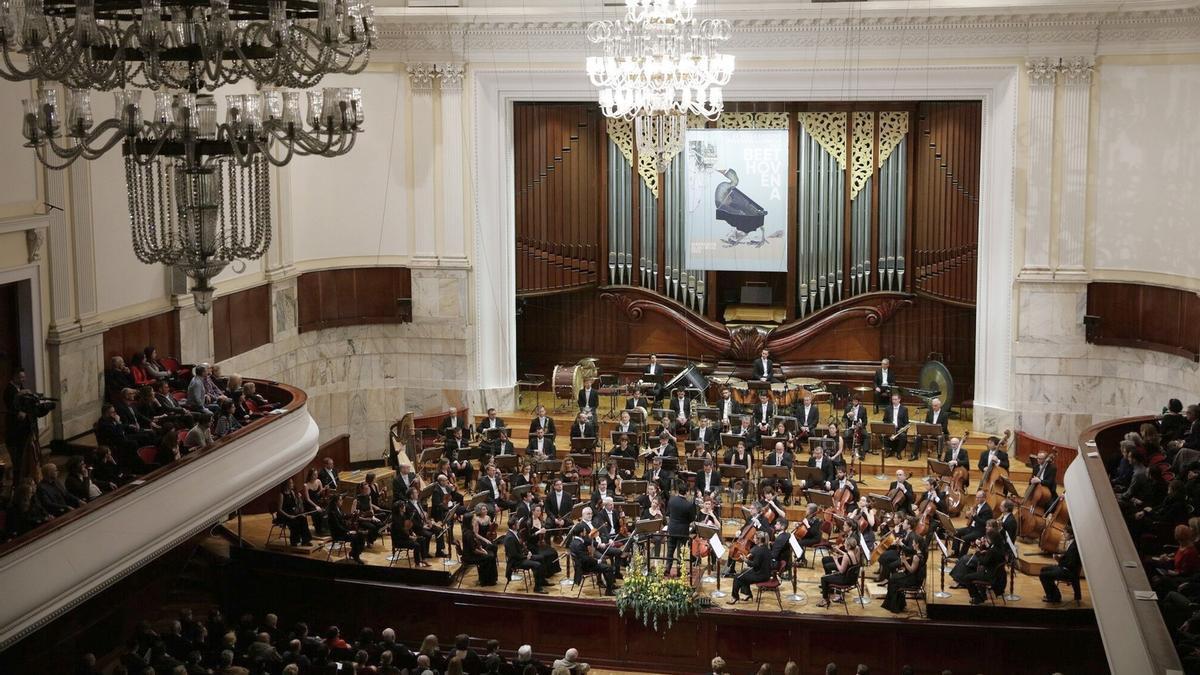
x=537 y=511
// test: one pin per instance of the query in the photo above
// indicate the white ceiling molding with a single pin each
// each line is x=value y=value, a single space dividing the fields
x=500 y=36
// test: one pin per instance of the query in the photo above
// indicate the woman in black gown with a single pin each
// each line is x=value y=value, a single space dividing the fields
x=478 y=549
x=911 y=574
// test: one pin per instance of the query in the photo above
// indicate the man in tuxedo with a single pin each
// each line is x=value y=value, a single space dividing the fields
x=906 y=488
x=884 y=381
x=404 y=480
x=1045 y=473
x=897 y=415
x=583 y=427
x=810 y=416
x=937 y=416
x=517 y=558
x=856 y=414
x=976 y=528
x=780 y=457
x=994 y=455
x=1008 y=519
x=757 y=570
x=764 y=414
x=709 y=479
x=328 y=475
x=653 y=368
x=987 y=567
x=583 y=552
x=452 y=422
x=53 y=497
x=680 y=407
x=489 y=482
x=503 y=446
x=559 y=503
x=705 y=434
x=666 y=446
x=819 y=461
x=842 y=480
x=638 y=400
x=955 y=454
x=1067 y=569
x=491 y=421
x=747 y=432
x=680 y=514
x=588 y=398
x=625 y=425
x=658 y=475
x=455 y=451
x=764 y=367
x=727 y=406
x=542 y=421
x=540 y=444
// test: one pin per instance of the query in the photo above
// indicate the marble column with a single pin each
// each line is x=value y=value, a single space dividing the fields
x=1042 y=76
x=424 y=195
x=62 y=309
x=84 y=240
x=453 y=249
x=195 y=332
x=1076 y=74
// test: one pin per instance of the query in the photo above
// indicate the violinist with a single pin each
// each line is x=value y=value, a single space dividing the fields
x=340 y=529
x=955 y=454
x=841 y=568
x=624 y=448
x=810 y=417
x=651 y=503
x=541 y=446
x=289 y=512
x=856 y=418
x=568 y=471
x=904 y=536
x=503 y=446
x=809 y=530
x=993 y=456
x=705 y=434
x=558 y=506
x=406 y=535
x=834 y=445
x=900 y=491
x=910 y=574
x=611 y=475
x=445 y=503
x=478 y=547
x=525 y=476
x=708 y=481
x=537 y=541
x=1045 y=473
x=374 y=490
x=865 y=515
x=657 y=475
x=368 y=518
x=818 y=461
x=489 y=483
x=524 y=507
x=404 y=480
x=625 y=425
x=607 y=520
x=517 y=557
x=455 y=452
x=780 y=457
x=976 y=528
x=758 y=569
x=587 y=561
x=412 y=511
x=746 y=433
x=987 y=568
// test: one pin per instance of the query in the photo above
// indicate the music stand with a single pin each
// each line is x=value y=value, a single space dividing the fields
x=494 y=434
x=582 y=445
x=549 y=466
x=648 y=527
x=610 y=382
x=629 y=509
x=479 y=498
x=614 y=437
x=633 y=487
x=1007 y=486
x=637 y=416
x=706 y=532
x=520 y=491
x=824 y=442
x=425 y=492
x=939 y=468
x=730 y=474
x=789 y=422
x=880 y=503
x=881 y=429
x=695 y=464
x=709 y=413
x=821 y=498
x=625 y=463
x=571 y=489
x=808 y=474
x=925 y=432
x=735 y=420
x=774 y=472
x=506 y=463
x=660 y=413
x=767 y=443
x=758 y=386
x=730 y=440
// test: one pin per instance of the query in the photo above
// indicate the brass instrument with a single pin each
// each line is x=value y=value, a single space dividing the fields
x=899 y=432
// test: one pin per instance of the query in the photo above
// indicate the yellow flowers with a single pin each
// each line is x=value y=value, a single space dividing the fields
x=651 y=597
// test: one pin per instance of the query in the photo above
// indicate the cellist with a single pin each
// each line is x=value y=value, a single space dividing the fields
x=1045 y=473
x=900 y=491
x=809 y=531
x=844 y=482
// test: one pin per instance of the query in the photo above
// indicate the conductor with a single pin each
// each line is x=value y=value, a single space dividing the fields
x=680 y=513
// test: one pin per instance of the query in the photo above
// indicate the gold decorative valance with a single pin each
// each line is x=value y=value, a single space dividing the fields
x=893 y=126
x=863 y=138
x=829 y=130
x=764 y=120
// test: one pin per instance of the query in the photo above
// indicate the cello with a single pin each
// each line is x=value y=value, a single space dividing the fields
x=740 y=548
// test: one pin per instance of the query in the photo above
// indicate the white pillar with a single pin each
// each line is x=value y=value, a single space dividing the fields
x=453 y=250
x=85 y=241
x=1077 y=85
x=1042 y=75
x=62 y=309
x=424 y=195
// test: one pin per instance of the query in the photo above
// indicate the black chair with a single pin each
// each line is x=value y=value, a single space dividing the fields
x=771 y=586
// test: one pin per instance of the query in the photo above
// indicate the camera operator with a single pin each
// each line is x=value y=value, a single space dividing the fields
x=18 y=426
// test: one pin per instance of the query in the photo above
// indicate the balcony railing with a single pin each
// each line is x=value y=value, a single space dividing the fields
x=58 y=565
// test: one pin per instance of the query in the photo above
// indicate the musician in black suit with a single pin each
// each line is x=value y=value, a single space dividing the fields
x=681 y=511
x=884 y=381
x=809 y=416
x=709 y=479
x=1008 y=519
x=404 y=480
x=856 y=415
x=705 y=434
x=897 y=415
x=340 y=529
x=653 y=368
x=328 y=475
x=764 y=367
x=979 y=516
x=680 y=405
x=559 y=503
x=517 y=557
x=780 y=457
x=658 y=475
x=666 y=446
x=726 y=406
x=624 y=448
x=818 y=461
x=542 y=421
x=901 y=482
x=503 y=446
x=588 y=398
x=994 y=455
x=540 y=444
x=583 y=427
x=987 y=568
x=638 y=401
x=764 y=414
x=489 y=482
x=583 y=552
x=407 y=535
x=955 y=454
x=758 y=569
x=455 y=451
x=452 y=422
x=748 y=432
x=1045 y=473
x=1067 y=569
x=937 y=416
x=625 y=424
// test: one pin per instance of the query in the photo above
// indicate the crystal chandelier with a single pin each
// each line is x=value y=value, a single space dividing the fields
x=660 y=64
x=184 y=44
x=198 y=188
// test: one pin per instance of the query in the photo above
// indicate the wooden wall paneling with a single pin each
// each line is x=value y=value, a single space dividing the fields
x=1143 y=316
x=158 y=330
x=354 y=296
x=241 y=321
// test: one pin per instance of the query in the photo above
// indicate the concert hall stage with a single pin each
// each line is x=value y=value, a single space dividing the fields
x=993 y=641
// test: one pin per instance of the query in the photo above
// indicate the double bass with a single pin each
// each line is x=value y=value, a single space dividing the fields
x=960 y=477
x=993 y=472
x=1031 y=512
x=1053 y=538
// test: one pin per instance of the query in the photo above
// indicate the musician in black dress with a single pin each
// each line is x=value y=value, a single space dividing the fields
x=368 y=517
x=739 y=456
x=478 y=548
x=758 y=569
x=407 y=532
x=811 y=534
x=537 y=542
x=844 y=568
x=911 y=574
x=289 y=512
x=342 y=529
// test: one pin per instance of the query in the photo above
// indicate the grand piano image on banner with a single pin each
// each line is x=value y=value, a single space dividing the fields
x=736 y=199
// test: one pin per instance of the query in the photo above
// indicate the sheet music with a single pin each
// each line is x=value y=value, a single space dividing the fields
x=941 y=545
x=863 y=543
x=717 y=546
x=1011 y=546
x=795 y=546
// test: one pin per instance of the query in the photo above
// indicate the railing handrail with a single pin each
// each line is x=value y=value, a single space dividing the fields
x=1135 y=636
x=295 y=399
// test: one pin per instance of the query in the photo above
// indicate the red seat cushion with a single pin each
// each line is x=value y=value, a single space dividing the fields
x=139 y=375
x=147 y=453
x=768 y=584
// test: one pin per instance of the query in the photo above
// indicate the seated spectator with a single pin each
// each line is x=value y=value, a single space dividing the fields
x=467 y=657
x=53 y=496
x=153 y=367
x=214 y=384
x=167 y=450
x=232 y=384
x=525 y=659
x=226 y=666
x=200 y=435
x=146 y=405
x=79 y=480
x=166 y=402
x=1165 y=570
x=106 y=471
x=256 y=400
x=116 y=378
x=240 y=412
x=226 y=420
x=25 y=511
x=429 y=649
x=570 y=662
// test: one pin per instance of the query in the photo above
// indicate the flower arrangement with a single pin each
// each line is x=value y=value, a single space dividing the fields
x=653 y=598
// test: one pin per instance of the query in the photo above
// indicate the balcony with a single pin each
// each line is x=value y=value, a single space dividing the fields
x=55 y=567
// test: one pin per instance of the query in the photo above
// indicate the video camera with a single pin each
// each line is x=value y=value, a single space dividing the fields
x=33 y=404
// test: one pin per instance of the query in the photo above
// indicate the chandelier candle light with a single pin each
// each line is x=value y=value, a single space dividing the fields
x=660 y=64
x=198 y=188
